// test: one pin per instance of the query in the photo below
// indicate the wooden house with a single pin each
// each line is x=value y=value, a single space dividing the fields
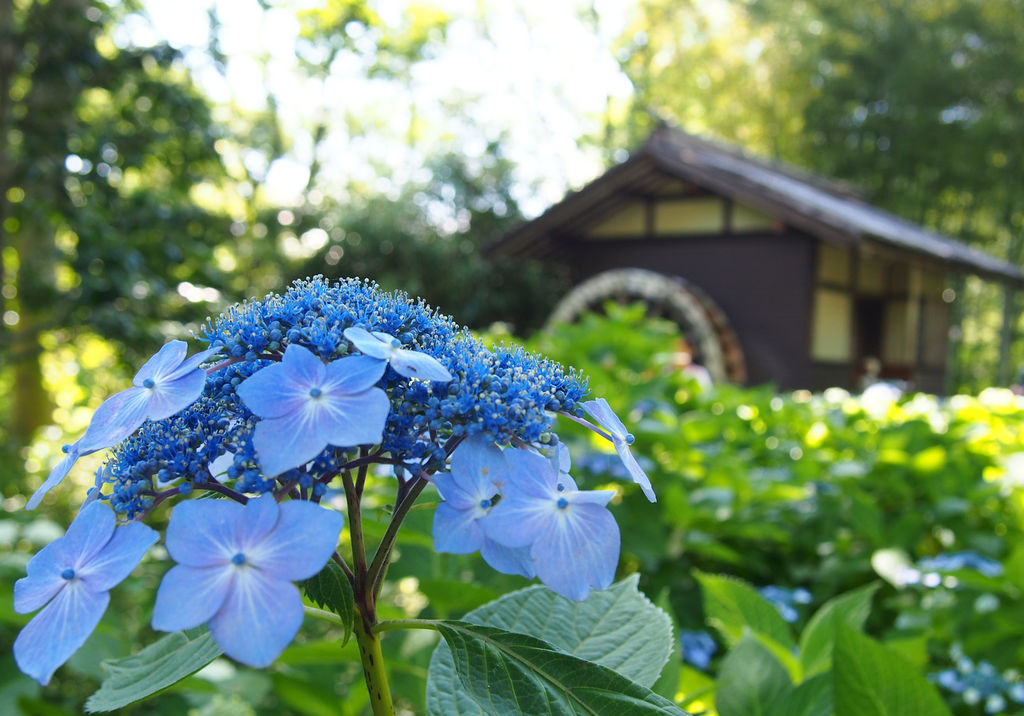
x=774 y=275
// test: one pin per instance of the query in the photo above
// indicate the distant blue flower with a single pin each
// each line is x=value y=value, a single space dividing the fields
x=383 y=346
x=478 y=470
x=600 y=411
x=165 y=385
x=977 y=681
x=962 y=560
x=305 y=406
x=698 y=648
x=73 y=576
x=236 y=565
x=573 y=538
x=784 y=599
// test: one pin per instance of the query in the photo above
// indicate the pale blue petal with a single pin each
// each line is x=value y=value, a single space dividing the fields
x=304 y=538
x=561 y=459
x=118 y=416
x=349 y=420
x=256 y=522
x=457 y=531
x=508 y=560
x=37 y=589
x=188 y=597
x=530 y=474
x=635 y=471
x=168 y=398
x=413 y=364
x=260 y=616
x=369 y=344
x=589 y=497
x=286 y=442
x=479 y=467
x=56 y=476
x=353 y=374
x=57 y=632
x=517 y=519
x=451 y=492
x=163 y=363
x=600 y=411
x=96 y=490
x=386 y=338
x=271 y=392
x=201 y=532
x=87 y=534
x=303 y=365
x=118 y=557
x=578 y=551
x=191 y=364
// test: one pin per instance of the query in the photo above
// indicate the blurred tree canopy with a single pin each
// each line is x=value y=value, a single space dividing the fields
x=917 y=103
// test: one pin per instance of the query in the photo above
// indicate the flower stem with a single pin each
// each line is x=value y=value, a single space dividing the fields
x=375 y=573
x=373 y=669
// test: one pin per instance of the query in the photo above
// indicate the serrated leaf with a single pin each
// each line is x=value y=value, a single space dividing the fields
x=733 y=606
x=751 y=681
x=818 y=638
x=870 y=679
x=330 y=589
x=508 y=673
x=618 y=628
x=161 y=664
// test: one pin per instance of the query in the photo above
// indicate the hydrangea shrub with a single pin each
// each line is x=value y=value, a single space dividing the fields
x=309 y=391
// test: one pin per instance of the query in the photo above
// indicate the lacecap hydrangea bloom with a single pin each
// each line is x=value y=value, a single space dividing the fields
x=305 y=391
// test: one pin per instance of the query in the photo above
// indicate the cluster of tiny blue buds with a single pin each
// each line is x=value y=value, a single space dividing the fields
x=981 y=682
x=506 y=392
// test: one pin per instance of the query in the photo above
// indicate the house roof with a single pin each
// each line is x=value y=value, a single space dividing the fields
x=822 y=208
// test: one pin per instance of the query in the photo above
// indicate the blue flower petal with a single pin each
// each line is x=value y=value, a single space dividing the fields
x=303 y=365
x=373 y=345
x=201 y=533
x=304 y=538
x=57 y=632
x=56 y=476
x=413 y=364
x=479 y=467
x=260 y=616
x=255 y=523
x=287 y=442
x=163 y=362
x=190 y=596
x=354 y=374
x=350 y=420
x=44 y=579
x=118 y=557
x=516 y=521
x=87 y=534
x=118 y=416
x=508 y=560
x=578 y=551
x=635 y=471
x=600 y=411
x=270 y=392
x=191 y=364
x=451 y=492
x=168 y=398
x=457 y=531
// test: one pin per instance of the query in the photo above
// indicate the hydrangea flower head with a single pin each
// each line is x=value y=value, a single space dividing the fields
x=306 y=406
x=166 y=384
x=573 y=538
x=383 y=346
x=72 y=576
x=600 y=411
x=236 y=565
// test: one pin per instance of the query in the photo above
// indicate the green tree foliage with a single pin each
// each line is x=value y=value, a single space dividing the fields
x=915 y=103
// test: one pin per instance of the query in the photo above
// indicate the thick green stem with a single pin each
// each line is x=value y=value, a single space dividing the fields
x=373 y=669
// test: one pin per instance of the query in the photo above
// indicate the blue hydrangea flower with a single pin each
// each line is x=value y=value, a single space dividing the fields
x=385 y=347
x=698 y=648
x=73 y=576
x=600 y=411
x=573 y=538
x=305 y=405
x=783 y=599
x=478 y=471
x=165 y=385
x=236 y=565
x=953 y=561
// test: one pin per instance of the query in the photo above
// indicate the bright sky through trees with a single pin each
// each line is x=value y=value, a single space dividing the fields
x=538 y=74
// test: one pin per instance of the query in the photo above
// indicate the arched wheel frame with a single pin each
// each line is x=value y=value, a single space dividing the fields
x=703 y=324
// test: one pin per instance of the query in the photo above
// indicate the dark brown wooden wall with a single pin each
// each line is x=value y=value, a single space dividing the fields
x=761 y=282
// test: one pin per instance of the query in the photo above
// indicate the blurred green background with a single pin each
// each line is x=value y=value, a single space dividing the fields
x=160 y=161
